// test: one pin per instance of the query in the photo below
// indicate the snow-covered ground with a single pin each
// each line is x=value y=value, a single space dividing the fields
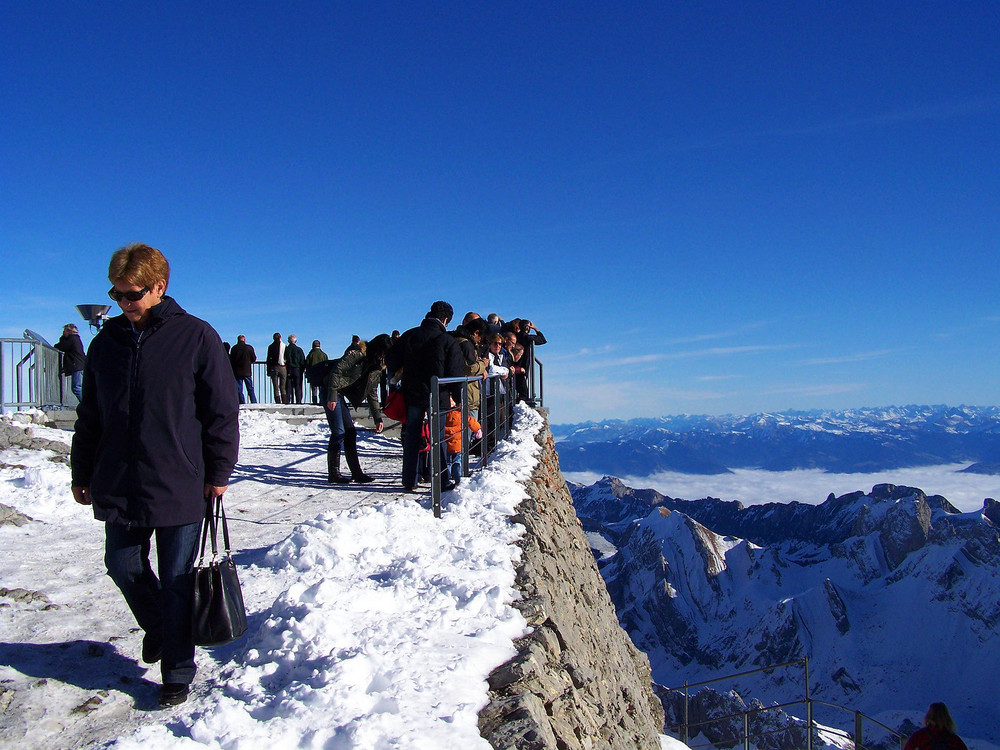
x=372 y=624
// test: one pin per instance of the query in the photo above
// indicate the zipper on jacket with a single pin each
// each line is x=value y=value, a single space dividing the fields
x=133 y=439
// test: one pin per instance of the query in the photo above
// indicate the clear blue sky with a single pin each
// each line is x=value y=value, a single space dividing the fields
x=707 y=207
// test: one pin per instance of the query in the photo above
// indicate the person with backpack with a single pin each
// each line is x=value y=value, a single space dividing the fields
x=938 y=732
x=421 y=353
x=316 y=370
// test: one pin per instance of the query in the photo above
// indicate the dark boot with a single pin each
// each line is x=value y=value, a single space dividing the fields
x=351 y=454
x=333 y=465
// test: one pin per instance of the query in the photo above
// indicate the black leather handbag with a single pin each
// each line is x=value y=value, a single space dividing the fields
x=219 y=615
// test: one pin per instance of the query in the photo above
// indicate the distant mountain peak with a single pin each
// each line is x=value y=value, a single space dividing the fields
x=856 y=440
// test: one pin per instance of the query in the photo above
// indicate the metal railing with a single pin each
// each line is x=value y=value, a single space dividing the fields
x=496 y=415
x=30 y=377
x=264 y=388
x=744 y=719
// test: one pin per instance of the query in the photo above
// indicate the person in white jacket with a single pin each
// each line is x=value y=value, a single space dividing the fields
x=495 y=388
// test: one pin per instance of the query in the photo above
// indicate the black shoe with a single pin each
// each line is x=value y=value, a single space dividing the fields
x=152 y=648
x=447 y=486
x=362 y=478
x=174 y=693
x=338 y=479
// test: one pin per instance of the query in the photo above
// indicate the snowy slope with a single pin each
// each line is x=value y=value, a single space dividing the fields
x=372 y=623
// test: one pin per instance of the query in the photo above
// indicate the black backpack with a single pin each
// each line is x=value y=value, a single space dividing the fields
x=316 y=373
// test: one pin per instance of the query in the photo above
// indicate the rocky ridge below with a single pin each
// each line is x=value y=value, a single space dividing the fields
x=859 y=585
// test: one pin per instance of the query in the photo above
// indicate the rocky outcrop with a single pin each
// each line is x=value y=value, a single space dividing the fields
x=577 y=680
x=14 y=435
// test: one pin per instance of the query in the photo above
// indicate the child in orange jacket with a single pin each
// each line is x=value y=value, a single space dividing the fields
x=453 y=439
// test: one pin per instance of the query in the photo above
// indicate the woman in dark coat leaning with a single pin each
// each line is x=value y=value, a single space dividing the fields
x=355 y=376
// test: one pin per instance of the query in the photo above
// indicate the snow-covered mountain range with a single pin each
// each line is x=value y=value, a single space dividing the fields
x=858 y=440
x=893 y=596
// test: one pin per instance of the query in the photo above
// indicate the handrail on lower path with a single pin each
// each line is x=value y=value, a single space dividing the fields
x=683 y=729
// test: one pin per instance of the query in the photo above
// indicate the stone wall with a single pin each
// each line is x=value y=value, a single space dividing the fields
x=577 y=680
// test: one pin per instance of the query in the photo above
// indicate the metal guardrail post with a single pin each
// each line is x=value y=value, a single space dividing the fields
x=435 y=441
x=540 y=400
x=809 y=711
x=466 y=439
x=859 y=729
x=684 y=737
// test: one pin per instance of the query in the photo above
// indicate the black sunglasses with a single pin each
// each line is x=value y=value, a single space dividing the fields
x=130 y=296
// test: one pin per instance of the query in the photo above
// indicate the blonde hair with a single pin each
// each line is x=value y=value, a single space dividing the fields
x=939 y=716
x=138 y=264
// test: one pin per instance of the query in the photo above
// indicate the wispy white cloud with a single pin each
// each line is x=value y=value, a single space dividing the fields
x=625 y=399
x=586 y=352
x=697 y=338
x=717 y=351
x=932 y=113
x=820 y=389
x=716 y=378
x=849 y=358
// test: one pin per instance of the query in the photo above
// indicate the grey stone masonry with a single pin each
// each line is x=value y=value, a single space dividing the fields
x=577 y=681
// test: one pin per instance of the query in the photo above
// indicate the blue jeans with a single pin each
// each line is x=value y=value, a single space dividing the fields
x=161 y=606
x=248 y=382
x=339 y=419
x=77 y=383
x=455 y=467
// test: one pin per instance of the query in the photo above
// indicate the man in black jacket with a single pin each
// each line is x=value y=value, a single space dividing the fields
x=157 y=434
x=295 y=361
x=242 y=358
x=73 y=358
x=421 y=353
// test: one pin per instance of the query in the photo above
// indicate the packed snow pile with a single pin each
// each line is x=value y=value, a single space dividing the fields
x=372 y=623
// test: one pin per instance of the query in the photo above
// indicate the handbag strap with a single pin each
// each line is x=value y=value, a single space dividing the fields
x=210 y=528
x=225 y=526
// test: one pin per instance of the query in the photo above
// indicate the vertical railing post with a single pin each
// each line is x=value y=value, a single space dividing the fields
x=809 y=710
x=435 y=441
x=746 y=730
x=540 y=401
x=684 y=737
x=466 y=438
x=485 y=420
x=859 y=740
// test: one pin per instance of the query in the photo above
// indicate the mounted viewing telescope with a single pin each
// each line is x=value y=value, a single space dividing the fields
x=94 y=314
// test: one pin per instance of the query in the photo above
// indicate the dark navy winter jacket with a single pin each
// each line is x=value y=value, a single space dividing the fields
x=422 y=352
x=158 y=419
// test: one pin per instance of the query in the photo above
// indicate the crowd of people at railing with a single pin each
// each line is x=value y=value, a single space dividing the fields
x=296 y=376
x=498 y=354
